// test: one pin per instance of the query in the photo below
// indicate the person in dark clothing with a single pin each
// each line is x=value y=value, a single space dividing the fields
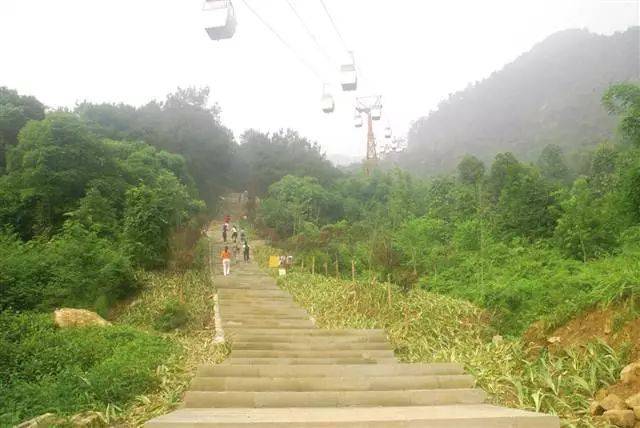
x=245 y=250
x=225 y=228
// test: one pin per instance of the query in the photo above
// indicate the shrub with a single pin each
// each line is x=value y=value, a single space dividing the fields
x=174 y=315
x=75 y=268
x=45 y=369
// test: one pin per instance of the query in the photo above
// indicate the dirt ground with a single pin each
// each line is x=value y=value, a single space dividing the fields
x=616 y=326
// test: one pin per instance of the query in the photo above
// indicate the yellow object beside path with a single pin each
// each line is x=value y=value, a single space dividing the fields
x=274 y=261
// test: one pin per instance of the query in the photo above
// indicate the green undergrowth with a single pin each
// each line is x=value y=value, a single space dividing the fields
x=129 y=372
x=526 y=283
x=425 y=326
x=45 y=369
x=182 y=304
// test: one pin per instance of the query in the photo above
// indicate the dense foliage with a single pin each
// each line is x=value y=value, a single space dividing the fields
x=112 y=182
x=186 y=125
x=45 y=369
x=92 y=208
x=549 y=95
x=15 y=111
x=264 y=159
x=183 y=124
x=528 y=241
x=75 y=268
x=89 y=201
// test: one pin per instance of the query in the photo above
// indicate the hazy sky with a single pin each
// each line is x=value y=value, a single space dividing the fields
x=413 y=52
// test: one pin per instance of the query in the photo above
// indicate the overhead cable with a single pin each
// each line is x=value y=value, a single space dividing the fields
x=309 y=33
x=335 y=27
x=283 y=41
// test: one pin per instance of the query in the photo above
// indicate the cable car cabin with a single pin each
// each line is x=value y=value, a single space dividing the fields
x=348 y=77
x=357 y=121
x=376 y=112
x=387 y=132
x=220 y=19
x=327 y=103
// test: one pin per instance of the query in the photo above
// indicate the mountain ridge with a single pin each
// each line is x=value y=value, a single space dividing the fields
x=549 y=94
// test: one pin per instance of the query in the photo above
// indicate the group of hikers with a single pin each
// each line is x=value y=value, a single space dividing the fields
x=239 y=237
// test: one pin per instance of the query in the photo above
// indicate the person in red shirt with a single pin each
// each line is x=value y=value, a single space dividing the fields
x=225 y=255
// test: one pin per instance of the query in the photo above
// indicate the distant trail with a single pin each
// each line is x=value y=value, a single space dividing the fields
x=284 y=371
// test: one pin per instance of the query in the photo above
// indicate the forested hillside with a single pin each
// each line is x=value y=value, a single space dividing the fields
x=549 y=95
x=104 y=204
x=513 y=237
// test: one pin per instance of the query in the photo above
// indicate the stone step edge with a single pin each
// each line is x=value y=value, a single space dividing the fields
x=450 y=416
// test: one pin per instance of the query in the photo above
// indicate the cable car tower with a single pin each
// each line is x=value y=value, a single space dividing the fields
x=372 y=107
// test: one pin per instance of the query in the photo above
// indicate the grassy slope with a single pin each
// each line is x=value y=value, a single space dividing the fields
x=194 y=289
x=427 y=326
x=127 y=373
x=45 y=369
x=529 y=283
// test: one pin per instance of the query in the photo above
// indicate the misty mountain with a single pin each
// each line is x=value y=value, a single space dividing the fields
x=550 y=94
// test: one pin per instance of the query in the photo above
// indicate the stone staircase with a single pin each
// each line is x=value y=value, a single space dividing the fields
x=283 y=371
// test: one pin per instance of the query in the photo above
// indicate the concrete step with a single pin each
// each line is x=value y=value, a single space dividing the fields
x=452 y=416
x=307 y=340
x=226 y=285
x=285 y=307
x=247 y=308
x=262 y=310
x=254 y=298
x=309 y=345
x=307 y=361
x=410 y=397
x=339 y=353
x=262 y=317
x=323 y=370
x=253 y=292
x=257 y=302
x=330 y=383
x=271 y=323
x=314 y=332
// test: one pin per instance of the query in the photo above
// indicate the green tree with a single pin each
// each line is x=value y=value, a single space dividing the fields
x=421 y=241
x=623 y=99
x=292 y=202
x=15 y=111
x=552 y=165
x=49 y=169
x=183 y=124
x=152 y=211
x=470 y=170
x=264 y=159
x=504 y=169
x=524 y=206
x=590 y=224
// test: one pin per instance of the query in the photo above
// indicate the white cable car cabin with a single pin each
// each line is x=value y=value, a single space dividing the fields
x=349 y=75
x=376 y=112
x=220 y=19
x=357 y=121
x=387 y=132
x=327 y=103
